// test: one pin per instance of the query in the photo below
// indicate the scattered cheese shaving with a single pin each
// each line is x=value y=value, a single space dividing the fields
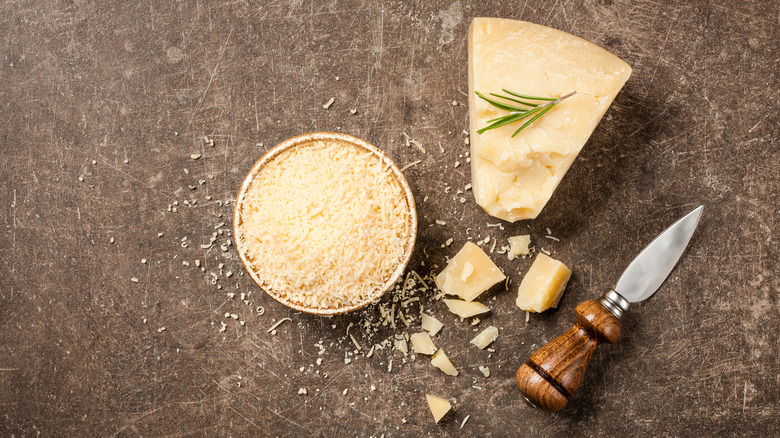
x=438 y=406
x=442 y=362
x=413 y=163
x=431 y=324
x=466 y=309
x=354 y=341
x=422 y=343
x=417 y=145
x=278 y=323
x=486 y=337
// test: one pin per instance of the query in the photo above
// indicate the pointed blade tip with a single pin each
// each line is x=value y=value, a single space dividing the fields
x=639 y=289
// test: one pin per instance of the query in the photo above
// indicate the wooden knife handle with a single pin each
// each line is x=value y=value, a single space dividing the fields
x=555 y=371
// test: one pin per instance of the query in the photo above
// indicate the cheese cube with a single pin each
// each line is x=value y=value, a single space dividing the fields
x=486 y=337
x=466 y=309
x=431 y=324
x=469 y=273
x=543 y=285
x=422 y=343
x=438 y=406
x=442 y=362
x=513 y=178
x=518 y=245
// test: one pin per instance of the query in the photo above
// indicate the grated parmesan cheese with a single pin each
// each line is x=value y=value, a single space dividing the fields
x=325 y=224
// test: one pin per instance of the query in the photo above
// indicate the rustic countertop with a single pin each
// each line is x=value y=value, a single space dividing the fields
x=101 y=106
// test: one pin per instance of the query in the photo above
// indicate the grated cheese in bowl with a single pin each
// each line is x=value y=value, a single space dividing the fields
x=325 y=223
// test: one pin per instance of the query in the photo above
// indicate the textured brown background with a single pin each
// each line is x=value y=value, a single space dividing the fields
x=144 y=81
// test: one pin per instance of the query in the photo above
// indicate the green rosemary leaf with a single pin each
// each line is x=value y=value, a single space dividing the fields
x=517 y=113
x=515 y=100
x=499 y=105
x=499 y=118
x=510 y=119
x=541 y=113
x=525 y=96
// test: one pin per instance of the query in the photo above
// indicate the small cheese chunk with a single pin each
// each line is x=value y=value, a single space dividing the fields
x=543 y=285
x=469 y=273
x=486 y=337
x=438 y=406
x=431 y=324
x=466 y=309
x=518 y=245
x=442 y=362
x=514 y=177
x=422 y=343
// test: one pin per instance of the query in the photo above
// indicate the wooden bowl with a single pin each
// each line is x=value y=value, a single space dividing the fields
x=361 y=144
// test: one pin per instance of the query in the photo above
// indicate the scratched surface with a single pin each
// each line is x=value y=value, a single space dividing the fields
x=101 y=106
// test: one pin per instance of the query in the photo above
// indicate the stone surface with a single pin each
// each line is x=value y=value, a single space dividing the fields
x=134 y=87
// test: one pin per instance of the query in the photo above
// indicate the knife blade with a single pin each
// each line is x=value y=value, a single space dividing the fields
x=651 y=267
x=554 y=372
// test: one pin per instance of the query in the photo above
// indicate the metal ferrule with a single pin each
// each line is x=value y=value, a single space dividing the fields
x=615 y=303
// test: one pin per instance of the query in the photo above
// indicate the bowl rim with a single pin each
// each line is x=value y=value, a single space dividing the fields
x=354 y=141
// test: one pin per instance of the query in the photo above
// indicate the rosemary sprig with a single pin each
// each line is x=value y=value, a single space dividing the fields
x=517 y=113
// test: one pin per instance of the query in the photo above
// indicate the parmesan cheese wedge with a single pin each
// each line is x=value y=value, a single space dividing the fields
x=422 y=343
x=469 y=273
x=431 y=324
x=513 y=178
x=485 y=338
x=442 y=362
x=438 y=406
x=466 y=309
x=543 y=285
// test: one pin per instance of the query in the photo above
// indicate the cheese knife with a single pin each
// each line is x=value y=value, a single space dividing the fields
x=554 y=372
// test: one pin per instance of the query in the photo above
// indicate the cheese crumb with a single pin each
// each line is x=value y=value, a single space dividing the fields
x=518 y=245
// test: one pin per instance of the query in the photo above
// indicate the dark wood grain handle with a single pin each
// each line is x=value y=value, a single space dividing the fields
x=554 y=372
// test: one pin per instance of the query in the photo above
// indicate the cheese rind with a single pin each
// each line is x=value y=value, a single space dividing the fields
x=543 y=285
x=513 y=178
x=438 y=406
x=469 y=273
